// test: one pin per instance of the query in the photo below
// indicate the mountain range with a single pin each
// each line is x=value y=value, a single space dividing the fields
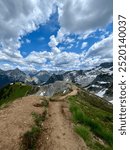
x=98 y=80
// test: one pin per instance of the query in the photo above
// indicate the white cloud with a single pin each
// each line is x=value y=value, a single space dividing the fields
x=69 y=40
x=21 y=17
x=53 y=41
x=84 y=44
x=28 y=41
x=102 y=48
x=41 y=39
x=38 y=57
x=53 y=45
x=6 y=66
x=99 y=52
x=80 y=16
x=62 y=48
x=70 y=46
x=56 y=50
x=66 y=60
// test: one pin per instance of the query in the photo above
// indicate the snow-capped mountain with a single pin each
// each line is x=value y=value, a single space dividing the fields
x=98 y=80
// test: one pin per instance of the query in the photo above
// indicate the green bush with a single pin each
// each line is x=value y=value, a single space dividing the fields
x=38 y=118
x=29 y=139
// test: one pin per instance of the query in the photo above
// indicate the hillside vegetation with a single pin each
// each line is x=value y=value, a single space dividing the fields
x=11 y=92
x=93 y=119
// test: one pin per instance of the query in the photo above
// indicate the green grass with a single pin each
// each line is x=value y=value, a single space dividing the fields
x=84 y=132
x=39 y=118
x=11 y=92
x=93 y=119
x=29 y=139
x=45 y=102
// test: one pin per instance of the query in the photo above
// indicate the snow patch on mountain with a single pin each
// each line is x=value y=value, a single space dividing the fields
x=101 y=93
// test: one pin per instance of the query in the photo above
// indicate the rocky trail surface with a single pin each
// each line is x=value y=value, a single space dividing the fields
x=58 y=132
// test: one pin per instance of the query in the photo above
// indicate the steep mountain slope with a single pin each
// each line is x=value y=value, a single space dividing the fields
x=4 y=80
x=16 y=75
x=13 y=91
x=42 y=76
x=54 y=78
x=10 y=76
x=102 y=85
x=54 y=88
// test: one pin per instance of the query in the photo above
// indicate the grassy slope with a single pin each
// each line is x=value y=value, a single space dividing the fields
x=93 y=119
x=11 y=92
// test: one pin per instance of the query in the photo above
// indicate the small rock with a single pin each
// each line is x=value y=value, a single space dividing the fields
x=58 y=137
x=63 y=133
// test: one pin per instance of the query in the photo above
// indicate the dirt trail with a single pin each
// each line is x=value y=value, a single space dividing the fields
x=59 y=133
x=15 y=120
x=74 y=92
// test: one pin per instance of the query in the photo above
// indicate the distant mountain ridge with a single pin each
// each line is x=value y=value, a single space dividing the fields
x=98 y=80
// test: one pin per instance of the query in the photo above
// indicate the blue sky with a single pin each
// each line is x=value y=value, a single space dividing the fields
x=40 y=38
x=53 y=35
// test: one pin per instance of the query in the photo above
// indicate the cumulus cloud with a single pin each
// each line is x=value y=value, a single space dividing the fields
x=53 y=41
x=66 y=60
x=53 y=44
x=39 y=57
x=69 y=40
x=53 y=60
x=56 y=50
x=102 y=48
x=28 y=41
x=84 y=15
x=84 y=44
x=6 y=66
x=21 y=17
x=99 y=52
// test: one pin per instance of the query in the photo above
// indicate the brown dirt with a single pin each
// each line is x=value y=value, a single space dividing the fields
x=59 y=133
x=15 y=120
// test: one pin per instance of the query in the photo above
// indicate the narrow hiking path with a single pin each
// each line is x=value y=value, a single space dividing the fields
x=59 y=133
x=15 y=120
